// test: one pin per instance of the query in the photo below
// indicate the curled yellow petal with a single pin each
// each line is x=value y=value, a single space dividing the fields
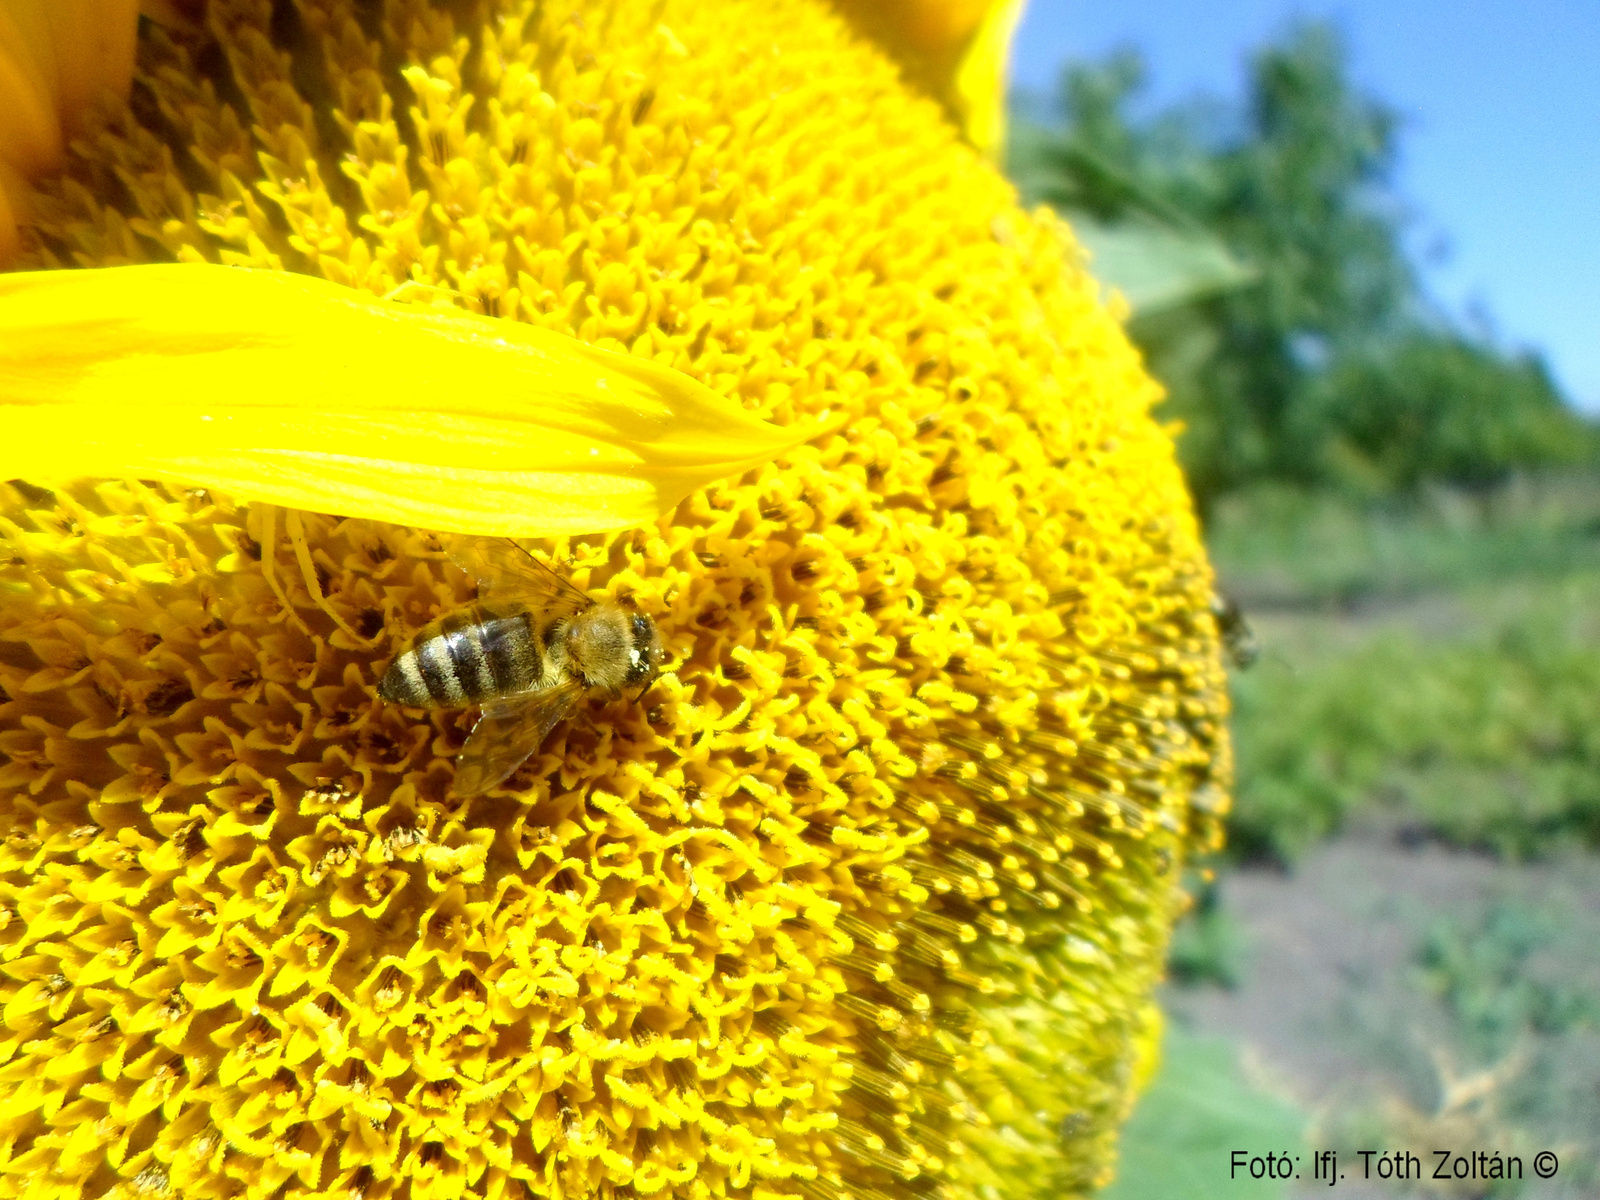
x=57 y=58
x=978 y=87
x=959 y=50
x=292 y=390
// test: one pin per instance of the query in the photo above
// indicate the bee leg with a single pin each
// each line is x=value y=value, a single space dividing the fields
x=648 y=684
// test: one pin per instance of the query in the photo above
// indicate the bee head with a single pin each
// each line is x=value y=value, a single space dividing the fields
x=647 y=655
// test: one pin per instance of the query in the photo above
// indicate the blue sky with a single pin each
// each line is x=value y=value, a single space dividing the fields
x=1500 y=147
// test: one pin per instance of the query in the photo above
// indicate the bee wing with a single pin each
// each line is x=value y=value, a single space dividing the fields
x=509 y=731
x=499 y=564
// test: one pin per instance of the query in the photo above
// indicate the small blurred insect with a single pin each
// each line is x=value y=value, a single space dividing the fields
x=527 y=652
x=1238 y=639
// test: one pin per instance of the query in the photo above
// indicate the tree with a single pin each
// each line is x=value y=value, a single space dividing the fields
x=1436 y=406
x=1291 y=365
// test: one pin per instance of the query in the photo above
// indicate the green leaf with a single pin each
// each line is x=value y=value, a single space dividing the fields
x=1155 y=266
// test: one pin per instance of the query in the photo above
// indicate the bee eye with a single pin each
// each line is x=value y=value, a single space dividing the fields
x=641 y=630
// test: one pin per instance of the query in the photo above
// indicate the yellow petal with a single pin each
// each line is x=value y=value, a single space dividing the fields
x=289 y=389
x=959 y=50
x=978 y=88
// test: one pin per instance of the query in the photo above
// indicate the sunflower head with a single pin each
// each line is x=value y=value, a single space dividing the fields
x=866 y=898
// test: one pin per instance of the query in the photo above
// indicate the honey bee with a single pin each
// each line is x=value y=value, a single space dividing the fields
x=527 y=652
x=1238 y=639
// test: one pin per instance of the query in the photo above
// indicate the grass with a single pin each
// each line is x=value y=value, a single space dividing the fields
x=1284 y=548
x=1487 y=973
x=1200 y=1108
x=1506 y=1006
x=1439 y=661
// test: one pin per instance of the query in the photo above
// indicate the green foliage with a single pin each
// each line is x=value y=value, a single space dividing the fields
x=1486 y=742
x=1288 y=549
x=1259 y=247
x=1432 y=406
x=1474 y=712
x=1488 y=973
x=1207 y=946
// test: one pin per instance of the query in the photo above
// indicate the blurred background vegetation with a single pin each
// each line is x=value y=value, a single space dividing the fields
x=1407 y=513
x=1259 y=248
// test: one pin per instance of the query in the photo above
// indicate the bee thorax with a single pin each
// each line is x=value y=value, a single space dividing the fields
x=612 y=649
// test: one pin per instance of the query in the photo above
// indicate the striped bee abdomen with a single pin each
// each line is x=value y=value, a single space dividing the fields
x=469 y=656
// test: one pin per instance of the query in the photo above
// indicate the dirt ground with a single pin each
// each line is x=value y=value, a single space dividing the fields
x=1408 y=995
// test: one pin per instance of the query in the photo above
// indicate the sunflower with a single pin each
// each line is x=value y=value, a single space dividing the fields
x=866 y=898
